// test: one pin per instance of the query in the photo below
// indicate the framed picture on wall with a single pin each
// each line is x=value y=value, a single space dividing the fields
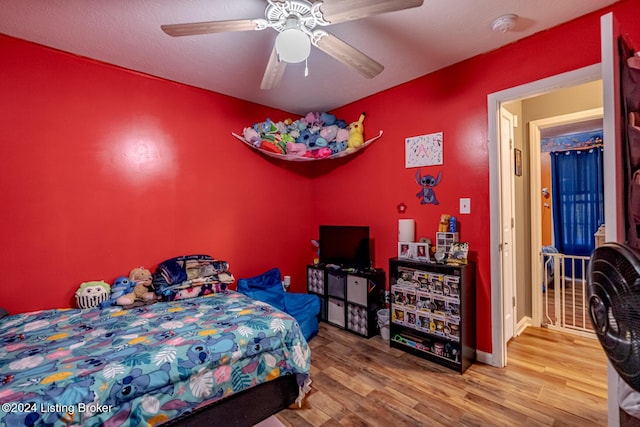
x=423 y=150
x=517 y=157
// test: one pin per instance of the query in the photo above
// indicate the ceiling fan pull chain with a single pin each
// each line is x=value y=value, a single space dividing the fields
x=306 y=68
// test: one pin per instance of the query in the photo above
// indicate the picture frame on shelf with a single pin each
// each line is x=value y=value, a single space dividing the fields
x=458 y=253
x=406 y=250
x=422 y=251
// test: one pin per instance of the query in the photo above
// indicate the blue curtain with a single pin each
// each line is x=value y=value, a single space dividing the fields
x=578 y=199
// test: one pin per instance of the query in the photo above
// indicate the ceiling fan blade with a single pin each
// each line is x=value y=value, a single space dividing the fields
x=334 y=11
x=273 y=73
x=193 y=28
x=347 y=54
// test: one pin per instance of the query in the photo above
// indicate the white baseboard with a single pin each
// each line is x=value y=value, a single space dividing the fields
x=486 y=358
x=523 y=324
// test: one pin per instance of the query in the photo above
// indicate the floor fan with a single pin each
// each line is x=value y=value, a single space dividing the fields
x=613 y=287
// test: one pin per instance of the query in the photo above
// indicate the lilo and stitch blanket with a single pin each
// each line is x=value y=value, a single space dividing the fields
x=191 y=276
x=142 y=366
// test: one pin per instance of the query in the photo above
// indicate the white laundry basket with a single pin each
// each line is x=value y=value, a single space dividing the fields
x=383 y=323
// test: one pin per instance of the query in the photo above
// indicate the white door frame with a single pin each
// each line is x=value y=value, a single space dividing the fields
x=610 y=31
x=535 y=192
x=539 y=87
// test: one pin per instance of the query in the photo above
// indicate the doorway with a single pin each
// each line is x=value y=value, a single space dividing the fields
x=564 y=307
x=498 y=175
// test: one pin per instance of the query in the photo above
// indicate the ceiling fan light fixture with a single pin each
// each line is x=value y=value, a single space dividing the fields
x=293 y=45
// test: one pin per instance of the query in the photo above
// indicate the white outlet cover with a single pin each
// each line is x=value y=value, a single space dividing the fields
x=465 y=206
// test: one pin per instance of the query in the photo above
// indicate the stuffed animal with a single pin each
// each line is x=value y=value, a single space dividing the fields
x=342 y=135
x=329 y=132
x=320 y=153
x=328 y=119
x=296 y=148
x=337 y=147
x=356 y=133
x=315 y=130
x=321 y=142
x=121 y=286
x=443 y=226
x=250 y=135
x=312 y=119
x=143 y=280
x=91 y=294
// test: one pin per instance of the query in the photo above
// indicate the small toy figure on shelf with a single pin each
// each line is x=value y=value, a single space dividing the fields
x=453 y=225
x=443 y=226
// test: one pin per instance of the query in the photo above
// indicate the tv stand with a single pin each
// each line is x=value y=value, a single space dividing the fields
x=350 y=298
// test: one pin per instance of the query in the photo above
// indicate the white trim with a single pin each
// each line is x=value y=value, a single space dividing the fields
x=486 y=358
x=509 y=273
x=523 y=324
x=494 y=100
x=612 y=124
x=612 y=164
x=535 y=191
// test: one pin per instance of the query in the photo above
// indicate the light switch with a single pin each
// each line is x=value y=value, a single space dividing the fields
x=465 y=206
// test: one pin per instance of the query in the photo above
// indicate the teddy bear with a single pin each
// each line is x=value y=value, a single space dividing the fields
x=443 y=226
x=143 y=280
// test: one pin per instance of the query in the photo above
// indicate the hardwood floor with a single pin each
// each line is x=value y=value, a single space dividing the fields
x=573 y=306
x=552 y=378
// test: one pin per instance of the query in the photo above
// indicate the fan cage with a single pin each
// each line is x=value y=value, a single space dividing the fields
x=614 y=300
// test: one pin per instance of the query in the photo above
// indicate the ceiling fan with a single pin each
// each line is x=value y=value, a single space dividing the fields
x=296 y=22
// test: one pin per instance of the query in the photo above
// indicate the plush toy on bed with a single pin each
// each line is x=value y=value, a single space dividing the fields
x=121 y=286
x=141 y=291
x=91 y=294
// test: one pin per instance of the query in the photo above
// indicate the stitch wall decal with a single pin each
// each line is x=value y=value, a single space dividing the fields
x=427 y=195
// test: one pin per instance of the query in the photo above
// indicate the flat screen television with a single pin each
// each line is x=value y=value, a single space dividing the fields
x=345 y=245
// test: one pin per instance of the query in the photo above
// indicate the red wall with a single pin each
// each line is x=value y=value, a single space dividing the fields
x=103 y=170
x=452 y=101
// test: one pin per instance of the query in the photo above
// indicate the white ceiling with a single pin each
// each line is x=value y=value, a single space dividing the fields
x=409 y=43
x=570 y=128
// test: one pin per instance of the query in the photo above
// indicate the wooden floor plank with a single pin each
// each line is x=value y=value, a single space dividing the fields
x=552 y=379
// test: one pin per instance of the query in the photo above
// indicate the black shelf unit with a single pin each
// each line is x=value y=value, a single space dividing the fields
x=433 y=311
x=350 y=299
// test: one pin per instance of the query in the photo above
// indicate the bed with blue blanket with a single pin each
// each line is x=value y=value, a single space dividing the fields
x=150 y=365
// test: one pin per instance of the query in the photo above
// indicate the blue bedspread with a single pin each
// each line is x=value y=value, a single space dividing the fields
x=145 y=365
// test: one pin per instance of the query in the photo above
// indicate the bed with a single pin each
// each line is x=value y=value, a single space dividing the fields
x=220 y=359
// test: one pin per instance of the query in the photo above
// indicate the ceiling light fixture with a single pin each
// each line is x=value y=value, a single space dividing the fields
x=504 y=23
x=292 y=44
